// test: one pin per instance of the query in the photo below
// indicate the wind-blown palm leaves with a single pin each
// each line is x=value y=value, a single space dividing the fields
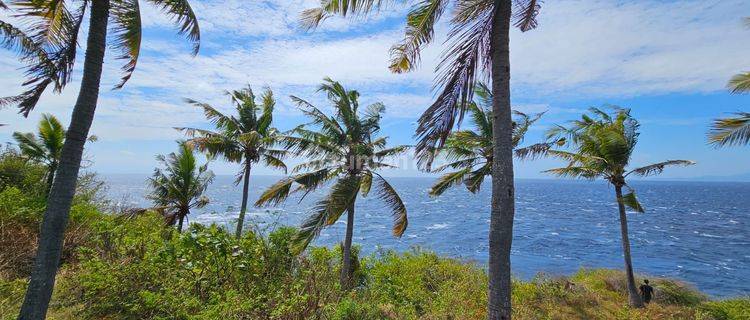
x=248 y=138
x=466 y=59
x=478 y=47
x=343 y=148
x=46 y=40
x=48 y=45
x=731 y=131
x=600 y=145
x=179 y=186
x=470 y=151
x=735 y=130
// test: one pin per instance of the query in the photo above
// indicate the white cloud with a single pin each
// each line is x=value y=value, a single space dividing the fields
x=592 y=49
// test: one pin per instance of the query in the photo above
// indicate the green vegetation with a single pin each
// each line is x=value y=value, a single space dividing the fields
x=135 y=267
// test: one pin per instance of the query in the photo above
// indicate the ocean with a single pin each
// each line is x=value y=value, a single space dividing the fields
x=695 y=231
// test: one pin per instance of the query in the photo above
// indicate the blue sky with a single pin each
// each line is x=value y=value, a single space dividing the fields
x=667 y=60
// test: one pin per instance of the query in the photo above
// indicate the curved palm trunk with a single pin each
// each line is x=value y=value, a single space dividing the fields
x=635 y=298
x=346 y=267
x=503 y=207
x=245 y=189
x=61 y=195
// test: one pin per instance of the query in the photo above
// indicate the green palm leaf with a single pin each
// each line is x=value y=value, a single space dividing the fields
x=657 y=168
x=182 y=14
x=420 y=23
x=327 y=211
x=126 y=16
x=388 y=194
x=740 y=83
x=731 y=131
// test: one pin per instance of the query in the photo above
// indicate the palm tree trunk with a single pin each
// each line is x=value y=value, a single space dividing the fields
x=503 y=207
x=179 y=223
x=51 y=176
x=61 y=195
x=346 y=267
x=245 y=188
x=635 y=298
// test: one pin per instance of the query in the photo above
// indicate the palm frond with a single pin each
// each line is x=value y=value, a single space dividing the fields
x=126 y=16
x=311 y=18
x=215 y=116
x=420 y=28
x=473 y=180
x=467 y=55
x=182 y=14
x=657 y=168
x=631 y=201
x=740 y=83
x=730 y=131
x=534 y=151
x=525 y=14
x=449 y=180
x=280 y=191
x=327 y=211
x=388 y=194
x=575 y=172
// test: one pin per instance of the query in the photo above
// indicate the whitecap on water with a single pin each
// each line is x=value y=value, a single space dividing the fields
x=438 y=226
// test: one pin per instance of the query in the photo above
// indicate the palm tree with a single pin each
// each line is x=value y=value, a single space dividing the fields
x=180 y=185
x=734 y=130
x=479 y=46
x=471 y=151
x=246 y=139
x=48 y=45
x=601 y=146
x=343 y=147
x=46 y=146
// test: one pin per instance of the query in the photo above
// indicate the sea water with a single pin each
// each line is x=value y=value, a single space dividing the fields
x=695 y=231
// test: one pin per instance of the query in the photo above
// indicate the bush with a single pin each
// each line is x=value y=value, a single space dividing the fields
x=729 y=309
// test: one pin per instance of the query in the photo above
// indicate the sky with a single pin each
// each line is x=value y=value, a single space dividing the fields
x=669 y=61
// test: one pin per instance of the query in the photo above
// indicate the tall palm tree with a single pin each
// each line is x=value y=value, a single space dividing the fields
x=180 y=185
x=343 y=147
x=733 y=130
x=470 y=151
x=46 y=146
x=48 y=44
x=479 y=46
x=248 y=138
x=600 y=146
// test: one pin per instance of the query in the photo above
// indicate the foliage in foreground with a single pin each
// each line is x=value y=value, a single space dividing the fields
x=135 y=268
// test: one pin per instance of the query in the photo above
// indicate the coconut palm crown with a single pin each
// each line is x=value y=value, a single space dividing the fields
x=178 y=187
x=343 y=148
x=247 y=138
x=47 y=38
x=470 y=151
x=600 y=145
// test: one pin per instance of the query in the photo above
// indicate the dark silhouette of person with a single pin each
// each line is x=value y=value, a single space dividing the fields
x=647 y=291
